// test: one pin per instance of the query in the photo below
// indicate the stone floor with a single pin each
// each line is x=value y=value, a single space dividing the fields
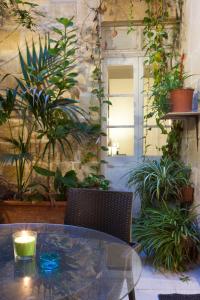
x=152 y=283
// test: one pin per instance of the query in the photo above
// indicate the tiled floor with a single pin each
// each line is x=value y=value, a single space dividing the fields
x=152 y=283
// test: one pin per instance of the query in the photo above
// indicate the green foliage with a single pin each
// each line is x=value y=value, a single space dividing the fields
x=156 y=182
x=70 y=180
x=7 y=103
x=162 y=61
x=169 y=236
x=45 y=114
x=95 y=181
x=173 y=147
x=43 y=171
x=61 y=183
x=22 y=10
x=52 y=67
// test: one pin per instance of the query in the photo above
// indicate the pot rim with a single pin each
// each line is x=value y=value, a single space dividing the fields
x=182 y=89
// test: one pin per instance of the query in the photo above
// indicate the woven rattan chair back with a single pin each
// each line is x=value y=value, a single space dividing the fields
x=107 y=211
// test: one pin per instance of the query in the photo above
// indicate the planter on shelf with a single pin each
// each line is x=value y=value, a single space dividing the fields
x=14 y=211
x=181 y=100
x=187 y=194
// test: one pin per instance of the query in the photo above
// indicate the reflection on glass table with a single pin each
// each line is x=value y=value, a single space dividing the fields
x=71 y=263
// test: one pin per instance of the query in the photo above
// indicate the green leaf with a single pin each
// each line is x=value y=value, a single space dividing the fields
x=103 y=161
x=104 y=148
x=44 y=172
x=66 y=22
x=108 y=102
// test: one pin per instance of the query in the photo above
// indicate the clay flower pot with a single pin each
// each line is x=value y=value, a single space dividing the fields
x=181 y=100
x=187 y=194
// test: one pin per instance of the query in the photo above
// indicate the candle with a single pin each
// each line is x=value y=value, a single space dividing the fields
x=24 y=244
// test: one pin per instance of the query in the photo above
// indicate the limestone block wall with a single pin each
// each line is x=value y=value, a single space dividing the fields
x=191 y=47
x=13 y=37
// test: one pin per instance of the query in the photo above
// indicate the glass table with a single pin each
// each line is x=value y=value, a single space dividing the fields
x=91 y=265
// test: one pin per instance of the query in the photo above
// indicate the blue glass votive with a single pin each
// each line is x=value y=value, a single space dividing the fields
x=49 y=261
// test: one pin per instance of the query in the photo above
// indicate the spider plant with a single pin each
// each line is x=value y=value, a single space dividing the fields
x=158 y=181
x=169 y=236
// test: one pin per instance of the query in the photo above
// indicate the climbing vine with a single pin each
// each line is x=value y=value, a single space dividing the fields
x=23 y=11
x=98 y=97
x=161 y=55
x=161 y=44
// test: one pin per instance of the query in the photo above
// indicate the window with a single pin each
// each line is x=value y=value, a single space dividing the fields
x=121 y=112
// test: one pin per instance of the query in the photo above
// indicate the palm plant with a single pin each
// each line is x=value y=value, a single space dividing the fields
x=54 y=122
x=156 y=181
x=169 y=236
x=45 y=115
x=52 y=66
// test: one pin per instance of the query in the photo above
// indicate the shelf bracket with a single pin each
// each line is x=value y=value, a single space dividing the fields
x=197 y=130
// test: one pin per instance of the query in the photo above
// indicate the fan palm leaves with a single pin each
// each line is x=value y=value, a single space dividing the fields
x=46 y=114
x=51 y=67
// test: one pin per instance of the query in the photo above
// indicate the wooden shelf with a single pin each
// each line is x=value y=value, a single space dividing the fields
x=181 y=115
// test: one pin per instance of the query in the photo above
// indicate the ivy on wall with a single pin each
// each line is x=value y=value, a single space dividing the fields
x=22 y=10
x=162 y=53
x=161 y=47
x=98 y=97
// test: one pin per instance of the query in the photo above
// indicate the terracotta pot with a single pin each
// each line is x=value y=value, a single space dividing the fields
x=14 y=211
x=181 y=100
x=187 y=194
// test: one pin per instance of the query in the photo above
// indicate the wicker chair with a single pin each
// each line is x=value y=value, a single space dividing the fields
x=107 y=211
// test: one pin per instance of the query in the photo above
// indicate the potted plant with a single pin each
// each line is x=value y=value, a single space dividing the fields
x=187 y=194
x=94 y=181
x=41 y=121
x=169 y=236
x=158 y=181
x=180 y=98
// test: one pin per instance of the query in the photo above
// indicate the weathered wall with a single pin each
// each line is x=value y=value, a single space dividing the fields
x=13 y=36
x=191 y=47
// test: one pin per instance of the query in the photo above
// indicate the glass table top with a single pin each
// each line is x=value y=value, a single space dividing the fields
x=90 y=265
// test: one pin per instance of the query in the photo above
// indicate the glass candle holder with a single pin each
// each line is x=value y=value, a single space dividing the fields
x=24 y=243
x=49 y=261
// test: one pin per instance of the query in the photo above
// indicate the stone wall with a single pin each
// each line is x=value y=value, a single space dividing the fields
x=191 y=47
x=13 y=37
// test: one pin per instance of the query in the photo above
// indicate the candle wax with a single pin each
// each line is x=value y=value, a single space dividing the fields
x=25 y=245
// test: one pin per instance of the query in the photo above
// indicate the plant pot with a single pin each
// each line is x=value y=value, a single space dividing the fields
x=181 y=100
x=14 y=211
x=187 y=193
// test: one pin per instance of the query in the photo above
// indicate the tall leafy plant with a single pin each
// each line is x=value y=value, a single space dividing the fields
x=52 y=67
x=46 y=116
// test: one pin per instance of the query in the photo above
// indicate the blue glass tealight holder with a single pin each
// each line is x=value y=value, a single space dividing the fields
x=49 y=261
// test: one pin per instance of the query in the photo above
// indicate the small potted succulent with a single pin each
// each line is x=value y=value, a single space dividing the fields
x=180 y=98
